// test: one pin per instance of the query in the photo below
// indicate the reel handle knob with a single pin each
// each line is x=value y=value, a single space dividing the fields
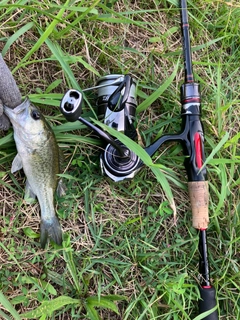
x=71 y=105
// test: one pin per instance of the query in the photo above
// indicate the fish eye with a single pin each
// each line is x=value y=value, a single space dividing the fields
x=35 y=114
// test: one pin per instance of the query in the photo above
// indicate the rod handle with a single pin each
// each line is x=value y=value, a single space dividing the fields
x=199 y=197
x=208 y=302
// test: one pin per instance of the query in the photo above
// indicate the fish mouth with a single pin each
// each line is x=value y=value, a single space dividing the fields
x=17 y=110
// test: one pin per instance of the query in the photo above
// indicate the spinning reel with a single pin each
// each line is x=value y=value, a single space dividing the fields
x=116 y=103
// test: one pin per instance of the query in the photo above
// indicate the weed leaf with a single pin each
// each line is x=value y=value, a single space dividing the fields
x=102 y=302
x=48 y=307
x=92 y=312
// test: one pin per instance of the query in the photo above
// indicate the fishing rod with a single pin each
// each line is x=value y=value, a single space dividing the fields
x=116 y=103
x=196 y=171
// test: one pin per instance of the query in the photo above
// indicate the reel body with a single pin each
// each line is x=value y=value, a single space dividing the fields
x=116 y=103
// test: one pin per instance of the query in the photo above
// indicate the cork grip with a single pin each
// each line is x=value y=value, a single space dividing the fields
x=198 y=193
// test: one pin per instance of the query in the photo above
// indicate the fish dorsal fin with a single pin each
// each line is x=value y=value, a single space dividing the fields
x=16 y=164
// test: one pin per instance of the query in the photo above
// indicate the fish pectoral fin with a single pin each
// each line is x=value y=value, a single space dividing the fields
x=16 y=164
x=50 y=229
x=61 y=188
x=30 y=196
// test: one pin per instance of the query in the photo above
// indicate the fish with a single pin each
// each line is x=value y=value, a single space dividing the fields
x=38 y=155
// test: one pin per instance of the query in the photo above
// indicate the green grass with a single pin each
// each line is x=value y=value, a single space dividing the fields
x=122 y=257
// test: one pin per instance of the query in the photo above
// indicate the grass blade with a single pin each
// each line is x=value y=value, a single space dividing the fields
x=44 y=36
x=8 y=306
x=60 y=57
x=15 y=36
x=4 y=316
x=205 y=314
x=156 y=94
x=68 y=256
x=216 y=149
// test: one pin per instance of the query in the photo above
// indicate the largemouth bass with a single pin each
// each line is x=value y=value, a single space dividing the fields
x=38 y=155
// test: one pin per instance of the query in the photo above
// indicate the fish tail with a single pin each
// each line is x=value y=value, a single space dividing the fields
x=50 y=229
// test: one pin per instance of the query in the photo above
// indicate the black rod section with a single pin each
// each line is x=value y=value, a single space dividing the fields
x=186 y=43
x=203 y=260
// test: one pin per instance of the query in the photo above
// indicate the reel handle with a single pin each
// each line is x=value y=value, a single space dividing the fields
x=71 y=108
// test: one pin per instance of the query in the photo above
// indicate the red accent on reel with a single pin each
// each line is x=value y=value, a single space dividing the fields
x=198 y=148
x=206 y=287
